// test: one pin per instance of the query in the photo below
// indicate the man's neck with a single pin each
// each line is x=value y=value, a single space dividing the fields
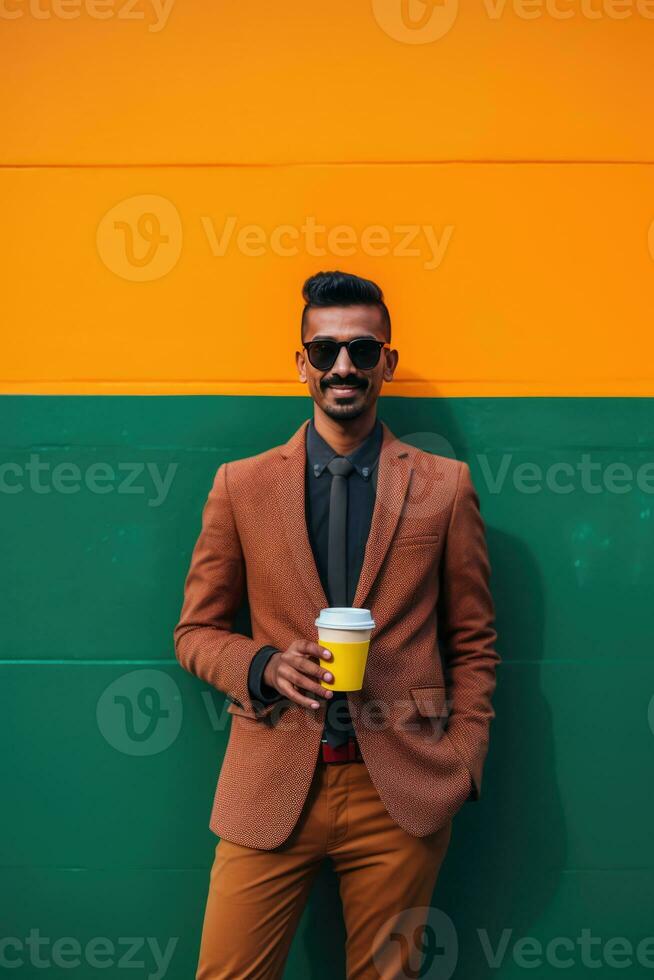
x=344 y=437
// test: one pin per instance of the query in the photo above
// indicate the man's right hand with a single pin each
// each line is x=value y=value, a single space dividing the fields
x=296 y=668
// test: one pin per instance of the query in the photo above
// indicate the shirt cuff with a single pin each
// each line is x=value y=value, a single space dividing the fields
x=258 y=689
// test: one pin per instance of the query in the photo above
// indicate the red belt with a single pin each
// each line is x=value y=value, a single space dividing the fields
x=348 y=752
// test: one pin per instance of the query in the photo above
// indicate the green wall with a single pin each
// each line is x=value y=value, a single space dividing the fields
x=106 y=834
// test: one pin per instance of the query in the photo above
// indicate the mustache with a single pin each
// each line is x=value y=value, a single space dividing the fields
x=335 y=381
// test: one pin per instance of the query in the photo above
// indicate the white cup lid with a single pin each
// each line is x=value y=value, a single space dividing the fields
x=345 y=618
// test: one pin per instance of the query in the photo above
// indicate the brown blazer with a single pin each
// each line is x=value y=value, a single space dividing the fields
x=422 y=717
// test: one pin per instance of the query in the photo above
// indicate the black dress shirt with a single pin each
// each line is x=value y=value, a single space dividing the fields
x=361 y=486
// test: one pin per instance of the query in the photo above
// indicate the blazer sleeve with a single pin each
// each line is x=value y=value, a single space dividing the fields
x=205 y=644
x=466 y=627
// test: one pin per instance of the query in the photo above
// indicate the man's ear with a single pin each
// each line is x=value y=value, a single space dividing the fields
x=301 y=366
x=392 y=357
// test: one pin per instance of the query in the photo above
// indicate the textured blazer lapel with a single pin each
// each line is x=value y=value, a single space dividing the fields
x=290 y=488
x=393 y=476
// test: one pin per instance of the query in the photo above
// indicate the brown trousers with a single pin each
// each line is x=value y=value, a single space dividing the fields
x=386 y=878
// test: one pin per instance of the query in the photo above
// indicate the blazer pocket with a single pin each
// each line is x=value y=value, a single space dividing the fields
x=424 y=539
x=431 y=701
x=236 y=709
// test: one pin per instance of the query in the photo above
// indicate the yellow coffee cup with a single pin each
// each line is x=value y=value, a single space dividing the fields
x=345 y=632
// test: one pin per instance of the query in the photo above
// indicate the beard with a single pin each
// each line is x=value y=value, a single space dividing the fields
x=343 y=412
x=342 y=407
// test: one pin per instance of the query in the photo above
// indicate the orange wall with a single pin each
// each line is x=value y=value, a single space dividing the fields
x=131 y=144
x=526 y=279
x=255 y=81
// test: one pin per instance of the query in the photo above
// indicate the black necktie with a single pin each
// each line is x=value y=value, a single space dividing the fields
x=340 y=468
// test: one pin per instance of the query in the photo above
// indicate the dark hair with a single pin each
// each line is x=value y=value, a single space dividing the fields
x=342 y=289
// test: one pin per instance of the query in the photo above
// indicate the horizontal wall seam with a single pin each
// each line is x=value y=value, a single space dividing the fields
x=139 y=165
x=114 y=868
x=290 y=381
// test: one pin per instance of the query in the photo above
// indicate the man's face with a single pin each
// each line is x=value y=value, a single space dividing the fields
x=345 y=392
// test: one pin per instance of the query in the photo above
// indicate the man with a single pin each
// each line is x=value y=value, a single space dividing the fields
x=343 y=514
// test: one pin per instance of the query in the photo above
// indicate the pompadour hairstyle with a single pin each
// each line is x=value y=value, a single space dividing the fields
x=342 y=289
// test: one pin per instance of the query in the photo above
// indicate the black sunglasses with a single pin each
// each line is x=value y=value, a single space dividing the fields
x=362 y=351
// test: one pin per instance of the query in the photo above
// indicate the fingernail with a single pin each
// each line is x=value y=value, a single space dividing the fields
x=314 y=704
x=328 y=677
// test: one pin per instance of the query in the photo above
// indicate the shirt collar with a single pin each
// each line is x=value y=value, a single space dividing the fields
x=364 y=457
